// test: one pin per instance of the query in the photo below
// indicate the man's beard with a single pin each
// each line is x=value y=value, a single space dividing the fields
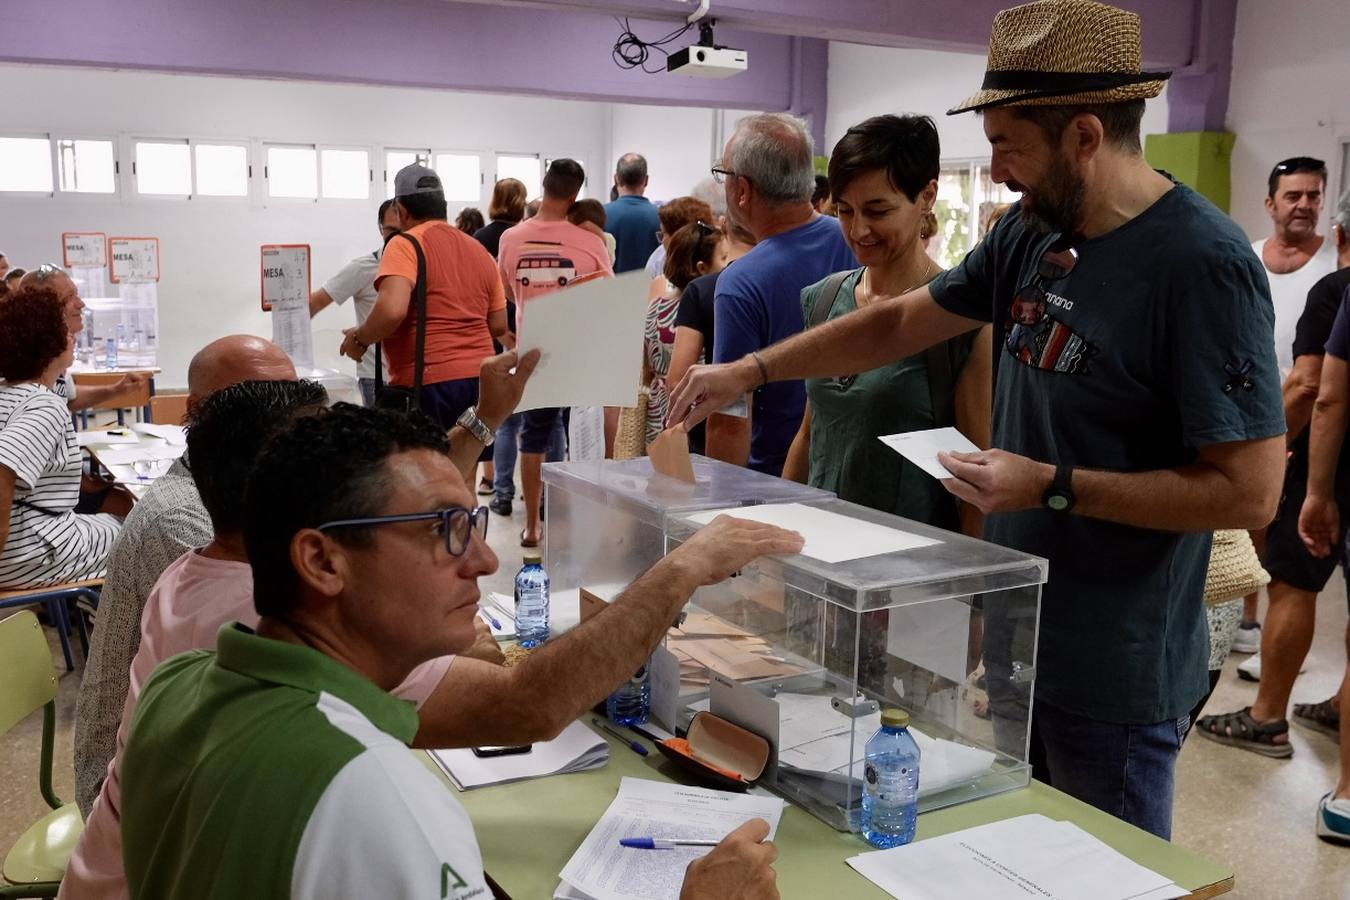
x=1058 y=203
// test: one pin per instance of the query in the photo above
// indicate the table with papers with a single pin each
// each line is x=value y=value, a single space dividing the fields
x=137 y=454
x=557 y=814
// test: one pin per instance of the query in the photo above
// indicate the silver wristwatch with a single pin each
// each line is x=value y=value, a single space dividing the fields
x=476 y=426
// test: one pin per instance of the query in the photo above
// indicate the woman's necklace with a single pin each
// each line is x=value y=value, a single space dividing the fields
x=867 y=291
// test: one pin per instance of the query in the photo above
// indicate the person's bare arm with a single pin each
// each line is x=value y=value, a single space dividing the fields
x=1300 y=392
x=389 y=311
x=497 y=324
x=318 y=301
x=797 y=466
x=576 y=670
x=975 y=413
x=1319 y=521
x=688 y=350
x=870 y=337
x=1233 y=485
x=499 y=392
x=88 y=396
x=728 y=438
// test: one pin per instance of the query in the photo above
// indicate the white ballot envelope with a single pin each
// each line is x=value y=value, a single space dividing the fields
x=922 y=447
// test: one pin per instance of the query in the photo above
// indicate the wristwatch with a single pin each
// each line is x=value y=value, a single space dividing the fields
x=1059 y=496
x=476 y=426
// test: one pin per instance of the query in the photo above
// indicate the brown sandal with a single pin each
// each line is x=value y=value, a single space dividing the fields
x=1239 y=729
x=527 y=542
x=1320 y=716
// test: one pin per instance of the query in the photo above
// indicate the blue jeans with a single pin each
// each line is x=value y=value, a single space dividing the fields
x=1124 y=770
x=367 y=390
x=504 y=450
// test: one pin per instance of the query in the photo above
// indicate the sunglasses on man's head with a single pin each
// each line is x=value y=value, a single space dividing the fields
x=1058 y=260
x=1300 y=164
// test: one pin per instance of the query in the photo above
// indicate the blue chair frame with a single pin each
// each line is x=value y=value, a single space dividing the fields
x=57 y=598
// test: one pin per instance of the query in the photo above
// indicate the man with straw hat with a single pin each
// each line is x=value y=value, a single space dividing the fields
x=1137 y=402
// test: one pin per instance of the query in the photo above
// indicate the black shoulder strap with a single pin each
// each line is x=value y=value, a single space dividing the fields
x=941 y=384
x=420 y=300
x=824 y=302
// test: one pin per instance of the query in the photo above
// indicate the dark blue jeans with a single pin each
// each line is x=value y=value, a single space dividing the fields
x=1124 y=770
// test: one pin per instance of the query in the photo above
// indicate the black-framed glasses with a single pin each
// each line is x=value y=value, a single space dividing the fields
x=458 y=524
x=720 y=175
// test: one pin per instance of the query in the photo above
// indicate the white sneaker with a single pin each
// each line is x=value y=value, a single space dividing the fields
x=1247 y=640
x=1250 y=669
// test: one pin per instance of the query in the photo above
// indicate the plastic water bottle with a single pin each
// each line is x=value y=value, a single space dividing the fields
x=110 y=362
x=631 y=704
x=891 y=783
x=532 y=602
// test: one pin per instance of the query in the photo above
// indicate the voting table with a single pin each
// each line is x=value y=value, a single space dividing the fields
x=528 y=830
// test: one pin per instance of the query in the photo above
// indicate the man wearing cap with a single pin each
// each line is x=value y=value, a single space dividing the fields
x=1137 y=404
x=466 y=307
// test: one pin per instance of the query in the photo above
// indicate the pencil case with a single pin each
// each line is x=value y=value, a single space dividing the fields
x=718 y=752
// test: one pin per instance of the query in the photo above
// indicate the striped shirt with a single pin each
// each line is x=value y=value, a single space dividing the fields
x=48 y=543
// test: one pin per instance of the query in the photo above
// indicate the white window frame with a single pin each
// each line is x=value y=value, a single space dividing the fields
x=370 y=171
x=264 y=184
x=250 y=161
x=497 y=175
x=485 y=161
x=51 y=161
x=133 y=190
x=384 y=150
x=57 y=136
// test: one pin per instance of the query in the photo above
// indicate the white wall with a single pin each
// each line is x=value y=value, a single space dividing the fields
x=869 y=81
x=1290 y=96
x=209 y=246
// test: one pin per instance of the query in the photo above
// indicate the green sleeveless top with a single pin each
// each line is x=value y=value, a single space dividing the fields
x=848 y=415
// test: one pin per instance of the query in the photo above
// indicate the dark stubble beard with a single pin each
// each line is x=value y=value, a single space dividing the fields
x=1058 y=203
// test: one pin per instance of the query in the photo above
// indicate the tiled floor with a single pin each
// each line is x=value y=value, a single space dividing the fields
x=1254 y=813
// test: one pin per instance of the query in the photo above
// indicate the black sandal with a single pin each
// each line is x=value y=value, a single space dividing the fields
x=1239 y=729
x=1322 y=717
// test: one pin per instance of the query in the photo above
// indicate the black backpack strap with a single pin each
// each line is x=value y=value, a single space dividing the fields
x=824 y=302
x=941 y=384
x=420 y=301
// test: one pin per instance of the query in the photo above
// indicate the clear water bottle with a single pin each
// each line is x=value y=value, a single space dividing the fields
x=631 y=704
x=532 y=602
x=891 y=783
x=110 y=362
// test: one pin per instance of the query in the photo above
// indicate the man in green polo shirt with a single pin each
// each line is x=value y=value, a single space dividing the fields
x=278 y=765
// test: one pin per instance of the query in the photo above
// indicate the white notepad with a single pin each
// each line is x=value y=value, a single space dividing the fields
x=577 y=749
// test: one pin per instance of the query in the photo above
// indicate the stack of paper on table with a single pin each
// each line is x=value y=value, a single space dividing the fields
x=577 y=749
x=1026 y=856
x=172 y=434
x=135 y=453
x=105 y=438
x=602 y=870
x=704 y=643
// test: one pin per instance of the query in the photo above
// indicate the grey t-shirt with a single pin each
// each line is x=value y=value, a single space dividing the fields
x=1159 y=342
x=356 y=281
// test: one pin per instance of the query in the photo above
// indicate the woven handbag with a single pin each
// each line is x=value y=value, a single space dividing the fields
x=1234 y=568
x=631 y=439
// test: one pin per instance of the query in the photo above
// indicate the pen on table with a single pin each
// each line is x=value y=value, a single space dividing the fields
x=634 y=745
x=652 y=843
x=492 y=620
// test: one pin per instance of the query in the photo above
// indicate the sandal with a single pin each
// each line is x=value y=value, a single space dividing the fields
x=1239 y=729
x=1322 y=717
x=485 y=488
x=525 y=541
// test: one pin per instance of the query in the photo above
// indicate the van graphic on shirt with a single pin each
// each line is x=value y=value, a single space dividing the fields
x=541 y=266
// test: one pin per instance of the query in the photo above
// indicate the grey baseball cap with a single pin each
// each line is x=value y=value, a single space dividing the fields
x=416 y=179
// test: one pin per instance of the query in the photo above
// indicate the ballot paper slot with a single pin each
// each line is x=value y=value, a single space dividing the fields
x=942 y=626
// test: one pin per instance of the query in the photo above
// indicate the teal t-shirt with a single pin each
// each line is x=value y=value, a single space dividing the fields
x=848 y=415
x=1159 y=342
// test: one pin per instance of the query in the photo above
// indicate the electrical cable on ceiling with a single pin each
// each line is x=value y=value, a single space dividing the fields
x=632 y=52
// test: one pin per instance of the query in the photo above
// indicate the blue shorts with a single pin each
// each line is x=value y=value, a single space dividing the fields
x=536 y=430
x=446 y=401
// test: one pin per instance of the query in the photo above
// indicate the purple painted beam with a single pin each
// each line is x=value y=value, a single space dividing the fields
x=1197 y=97
x=417 y=43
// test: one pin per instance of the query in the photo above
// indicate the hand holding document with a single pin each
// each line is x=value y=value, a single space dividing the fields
x=1026 y=856
x=922 y=448
x=830 y=537
x=590 y=338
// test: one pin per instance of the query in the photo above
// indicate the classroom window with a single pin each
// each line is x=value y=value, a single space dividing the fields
x=346 y=174
x=524 y=168
x=966 y=196
x=461 y=176
x=397 y=159
x=163 y=167
x=292 y=172
x=222 y=169
x=25 y=164
x=86 y=167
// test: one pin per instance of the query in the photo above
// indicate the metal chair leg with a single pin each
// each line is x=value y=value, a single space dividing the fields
x=56 y=608
x=81 y=626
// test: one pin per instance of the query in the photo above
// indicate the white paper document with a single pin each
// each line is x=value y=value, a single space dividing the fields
x=933 y=635
x=130 y=455
x=499 y=612
x=175 y=435
x=105 y=438
x=590 y=337
x=922 y=447
x=1024 y=857
x=577 y=749
x=830 y=537
x=602 y=870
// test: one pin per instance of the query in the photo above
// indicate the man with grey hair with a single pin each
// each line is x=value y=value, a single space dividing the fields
x=630 y=217
x=768 y=173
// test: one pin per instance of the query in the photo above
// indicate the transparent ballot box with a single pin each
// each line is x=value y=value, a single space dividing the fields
x=606 y=518
x=877 y=611
x=132 y=323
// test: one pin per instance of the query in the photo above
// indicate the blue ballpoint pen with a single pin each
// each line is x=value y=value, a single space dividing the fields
x=492 y=620
x=634 y=745
x=651 y=843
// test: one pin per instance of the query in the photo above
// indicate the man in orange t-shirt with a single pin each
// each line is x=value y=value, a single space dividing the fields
x=466 y=304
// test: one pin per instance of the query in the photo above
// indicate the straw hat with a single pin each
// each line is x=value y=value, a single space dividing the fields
x=1234 y=568
x=1063 y=52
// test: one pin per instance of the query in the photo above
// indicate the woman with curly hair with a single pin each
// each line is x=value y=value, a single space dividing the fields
x=42 y=540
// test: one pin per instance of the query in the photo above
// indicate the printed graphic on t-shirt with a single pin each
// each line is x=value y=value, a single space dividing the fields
x=1041 y=341
x=543 y=267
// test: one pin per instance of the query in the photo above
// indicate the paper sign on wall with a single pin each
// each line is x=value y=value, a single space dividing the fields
x=133 y=260
x=84 y=248
x=285 y=292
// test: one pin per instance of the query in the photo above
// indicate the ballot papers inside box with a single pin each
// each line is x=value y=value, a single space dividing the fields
x=876 y=612
x=606 y=518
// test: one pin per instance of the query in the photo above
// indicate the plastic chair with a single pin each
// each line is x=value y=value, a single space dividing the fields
x=57 y=597
x=37 y=862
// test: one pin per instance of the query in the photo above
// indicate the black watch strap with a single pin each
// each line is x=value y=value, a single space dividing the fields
x=1059 y=497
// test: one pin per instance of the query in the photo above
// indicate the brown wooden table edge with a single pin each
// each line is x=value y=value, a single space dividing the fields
x=1213 y=890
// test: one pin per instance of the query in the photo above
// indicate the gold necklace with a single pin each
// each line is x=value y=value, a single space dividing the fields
x=923 y=279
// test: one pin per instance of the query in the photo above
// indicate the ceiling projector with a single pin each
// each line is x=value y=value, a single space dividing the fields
x=707 y=60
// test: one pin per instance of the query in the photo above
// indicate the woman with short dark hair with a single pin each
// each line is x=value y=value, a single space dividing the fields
x=42 y=539
x=883 y=179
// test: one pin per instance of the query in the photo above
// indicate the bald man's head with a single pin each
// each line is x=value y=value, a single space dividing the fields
x=230 y=360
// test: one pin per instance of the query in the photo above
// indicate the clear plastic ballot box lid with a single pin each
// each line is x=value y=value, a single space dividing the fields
x=876 y=612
